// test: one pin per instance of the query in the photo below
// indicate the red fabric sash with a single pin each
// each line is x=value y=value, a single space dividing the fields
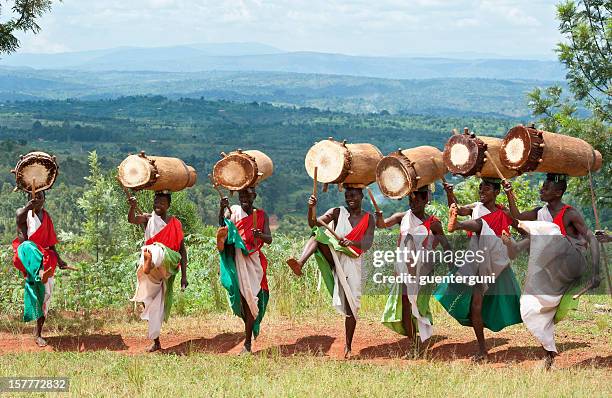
x=170 y=236
x=245 y=226
x=427 y=223
x=559 y=219
x=498 y=220
x=44 y=238
x=359 y=231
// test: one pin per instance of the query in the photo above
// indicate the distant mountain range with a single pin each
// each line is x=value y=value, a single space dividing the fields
x=264 y=58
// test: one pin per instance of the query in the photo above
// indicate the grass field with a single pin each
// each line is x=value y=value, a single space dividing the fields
x=103 y=356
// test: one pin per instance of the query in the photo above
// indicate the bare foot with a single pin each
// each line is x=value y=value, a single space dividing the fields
x=156 y=346
x=295 y=266
x=221 y=236
x=348 y=354
x=245 y=351
x=41 y=342
x=549 y=360
x=148 y=262
x=480 y=357
x=452 y=218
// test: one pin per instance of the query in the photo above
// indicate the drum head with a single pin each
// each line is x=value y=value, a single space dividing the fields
x=235 y=172
x=462 y=155
x=330 y=157
x=38 y=167
x=516 y=148
x=136 y=172
x=395 y=177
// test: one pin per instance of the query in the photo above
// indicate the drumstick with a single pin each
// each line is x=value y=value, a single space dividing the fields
x=254 y=224
x=216 y=187
x=583 y=291
x=499 y=173
x=127 y=194
x=314 y=183
x=71 y=268
x=373 y=200
x=33 y=188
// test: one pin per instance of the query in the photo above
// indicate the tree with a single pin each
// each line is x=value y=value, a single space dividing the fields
x=24 y=15
x=587 y=28
x=586 y=53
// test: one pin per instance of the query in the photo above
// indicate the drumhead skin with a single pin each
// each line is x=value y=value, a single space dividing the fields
x=235 y=172
x=136 y=172
x=463 y=155
x=332 y=160
x=517 y=147
x=395 y=176
x=38 y=167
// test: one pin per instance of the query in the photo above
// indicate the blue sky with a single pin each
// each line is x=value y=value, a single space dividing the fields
x=514 y=28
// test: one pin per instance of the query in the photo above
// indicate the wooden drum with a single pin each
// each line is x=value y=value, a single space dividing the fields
x=35 y=171
x=404 y=171
x=464 y=154
x=241 y=169
x=527 y=149
x=156 y=173
x=341 y=163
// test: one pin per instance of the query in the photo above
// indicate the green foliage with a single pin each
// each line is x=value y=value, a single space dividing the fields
x=586 y=53
x=24 y=14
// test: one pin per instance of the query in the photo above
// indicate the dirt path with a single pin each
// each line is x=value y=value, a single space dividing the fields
x=372 y=343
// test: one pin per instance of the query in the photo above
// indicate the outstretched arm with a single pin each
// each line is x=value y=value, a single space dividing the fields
x=438 y=231
x=133 y=218
x=451 y=199
x=382 y=222
x=515 y=213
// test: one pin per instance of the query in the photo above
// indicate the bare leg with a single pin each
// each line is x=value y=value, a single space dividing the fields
x=309 y=249
x=249 y=322
x=468 y=225
x=156 y=346
x=147 y=261
x=549 y=359
x=221 y=236
x=407 y=318
x=477 y=324
x=514 y=248
x=38 y=333
x=350 y=323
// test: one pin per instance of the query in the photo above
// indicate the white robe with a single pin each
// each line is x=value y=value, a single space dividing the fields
x=249 y=269
x=549 y=248
x=412 y=236
x=33 y=223
x=496 y=258
x=347 y=271
x=151 y=290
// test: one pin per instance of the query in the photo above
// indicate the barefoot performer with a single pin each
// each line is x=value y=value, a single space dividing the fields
x=340 y=237
x=161 y=257
x=243 y=264
x=407 y=310
x=557 y=260
x=491 y=305
x=36 y=257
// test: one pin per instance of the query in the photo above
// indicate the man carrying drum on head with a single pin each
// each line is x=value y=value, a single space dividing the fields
x=557 y=245
x=339 y=254
x=407 y=310
x=243 y=264
x=161 y=257
x=36 y=257
x=491 y=305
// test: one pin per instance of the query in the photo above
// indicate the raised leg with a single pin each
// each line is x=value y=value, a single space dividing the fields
x=309 y=249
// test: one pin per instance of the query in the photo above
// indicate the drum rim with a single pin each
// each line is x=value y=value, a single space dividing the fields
x=25 y=160
x=137 y=187
x=532 y=138
x=348 y=158
x=242 y=157
x=400 y=161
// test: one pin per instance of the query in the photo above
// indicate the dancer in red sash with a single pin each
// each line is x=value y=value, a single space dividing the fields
x=35 y=256
x=161 y=257
x=557 y=248
x=243 y=264
x=340 y=260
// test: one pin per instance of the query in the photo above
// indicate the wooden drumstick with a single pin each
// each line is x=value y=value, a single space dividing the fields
x=499 y=173
x=33 y=188
x=373 y=200
x=127 y=194
x=314 y=183
x=583 y=291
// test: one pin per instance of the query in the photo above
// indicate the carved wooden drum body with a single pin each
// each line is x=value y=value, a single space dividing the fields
x=404 y=171
x=156 y=173
x=241 y=169
x=527 y=149
x=464 y=154
x=35 y=171
x=341 y=163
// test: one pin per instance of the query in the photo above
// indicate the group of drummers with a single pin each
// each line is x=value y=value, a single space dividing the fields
x=555 y=236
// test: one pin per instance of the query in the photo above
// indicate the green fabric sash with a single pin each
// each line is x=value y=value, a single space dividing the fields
x=567 y=303
x=170 y=262
x=392 y=315
x=229 y=277
x=324 y=267
x=34 y=289
x=499 y=308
